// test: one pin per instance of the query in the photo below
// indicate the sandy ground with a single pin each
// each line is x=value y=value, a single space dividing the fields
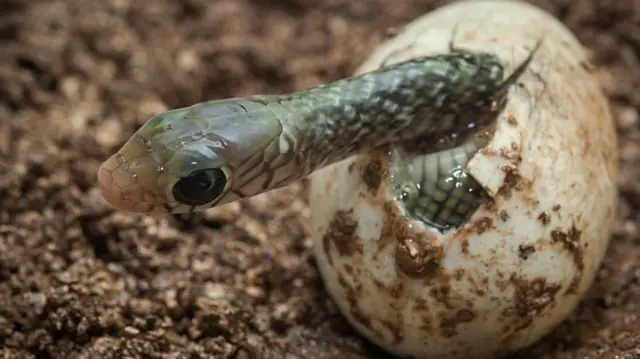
x=79 y=280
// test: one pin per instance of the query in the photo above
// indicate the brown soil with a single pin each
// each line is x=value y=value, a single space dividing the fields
x=79 y=280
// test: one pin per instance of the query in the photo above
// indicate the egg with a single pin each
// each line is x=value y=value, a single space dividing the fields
x=521 y=263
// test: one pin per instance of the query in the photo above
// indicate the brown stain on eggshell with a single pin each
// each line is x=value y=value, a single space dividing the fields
x=570 y=241
x=544 y=218
x=511 y=120
x=512 y=182
x=342 y=233
x=352 y=295
x=515 y=182
x=526 y=250
x=395 y=327
x=450 y=320
x=481 y=225
x=531 y=297
x=373 y=174
x=477 y=226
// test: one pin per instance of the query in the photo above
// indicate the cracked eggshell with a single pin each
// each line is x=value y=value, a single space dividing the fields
x=523 y=261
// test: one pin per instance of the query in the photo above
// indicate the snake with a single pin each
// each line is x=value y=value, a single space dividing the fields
x=216 y=152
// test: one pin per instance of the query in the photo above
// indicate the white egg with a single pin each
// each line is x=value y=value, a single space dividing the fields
x=525 y=258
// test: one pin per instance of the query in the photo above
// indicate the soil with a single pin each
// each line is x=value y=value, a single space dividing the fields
x=80 y=280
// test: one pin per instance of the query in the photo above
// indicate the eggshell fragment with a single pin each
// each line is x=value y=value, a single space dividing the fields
x=523 y=261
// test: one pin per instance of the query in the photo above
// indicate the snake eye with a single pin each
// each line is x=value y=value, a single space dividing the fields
x=200 y=187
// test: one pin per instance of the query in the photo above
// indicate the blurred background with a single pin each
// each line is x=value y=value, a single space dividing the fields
x=79 y=280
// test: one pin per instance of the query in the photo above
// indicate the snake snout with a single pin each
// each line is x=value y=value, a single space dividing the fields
x=129 y=198
x=111 y=192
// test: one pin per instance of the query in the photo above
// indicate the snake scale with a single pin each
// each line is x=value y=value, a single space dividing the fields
x=219 y=151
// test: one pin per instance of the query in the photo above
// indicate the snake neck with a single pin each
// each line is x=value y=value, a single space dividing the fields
x=428 y=101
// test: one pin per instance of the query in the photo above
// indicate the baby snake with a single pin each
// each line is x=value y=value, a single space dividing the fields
x=216 y=152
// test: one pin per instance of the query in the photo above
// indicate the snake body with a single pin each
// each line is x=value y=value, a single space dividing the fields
x=220 y=151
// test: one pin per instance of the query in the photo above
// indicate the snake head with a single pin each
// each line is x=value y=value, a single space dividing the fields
x=185 y=159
